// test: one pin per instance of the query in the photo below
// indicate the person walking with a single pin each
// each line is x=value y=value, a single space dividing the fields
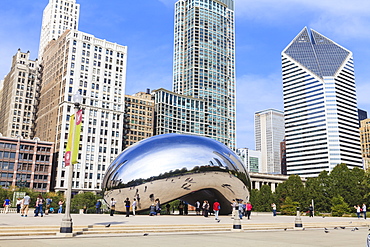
x=25 y=206
x=364 y=210
x=248 y=208
x=205 y=208
x=273 y=205
x=112 y=206
x=48 y=203
x=60 y=203
x=216 y=209
x=310 y=210
x=134 y=206
x=233 y=208
x=240 y=209
x=6 y=205
x=39 y=205
x=127 y=205
x=98 y=206
x=19 y=205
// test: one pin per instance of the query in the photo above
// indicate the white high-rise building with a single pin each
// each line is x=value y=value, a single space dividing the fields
x=204 y=62
x=58 y=16
x=96 y=68
x=269 y=132
x=320 y=105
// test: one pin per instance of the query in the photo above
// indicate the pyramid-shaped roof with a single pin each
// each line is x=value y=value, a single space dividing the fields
x=317 y=53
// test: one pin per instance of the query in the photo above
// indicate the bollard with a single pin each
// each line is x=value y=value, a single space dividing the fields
x=237 y=225
x=298 y=221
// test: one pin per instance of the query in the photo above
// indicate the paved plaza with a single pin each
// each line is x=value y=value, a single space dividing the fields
x=261 y=230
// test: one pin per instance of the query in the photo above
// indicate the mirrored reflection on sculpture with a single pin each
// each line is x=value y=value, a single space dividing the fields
x=176 y=166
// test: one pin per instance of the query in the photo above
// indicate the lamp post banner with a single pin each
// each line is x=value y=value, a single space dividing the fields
x=67 y=155
x=76 y=136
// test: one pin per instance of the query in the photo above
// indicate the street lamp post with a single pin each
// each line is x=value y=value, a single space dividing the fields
x=67 y=224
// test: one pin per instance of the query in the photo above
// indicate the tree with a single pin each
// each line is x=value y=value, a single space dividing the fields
x=318 y=190
x=289 y=207
x=339 y=206
x=293 y=188
x=84 y=200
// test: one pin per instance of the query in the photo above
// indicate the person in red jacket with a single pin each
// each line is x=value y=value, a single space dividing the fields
x=248 y=209
x=216 y=209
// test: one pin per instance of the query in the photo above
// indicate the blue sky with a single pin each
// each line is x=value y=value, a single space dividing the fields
x=263 y=29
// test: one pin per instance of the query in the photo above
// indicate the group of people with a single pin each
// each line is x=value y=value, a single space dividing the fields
x=113 y=203
x=360 y=210
x=242 y=208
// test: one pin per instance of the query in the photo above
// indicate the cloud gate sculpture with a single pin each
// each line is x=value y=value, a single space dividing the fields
x=176 y=166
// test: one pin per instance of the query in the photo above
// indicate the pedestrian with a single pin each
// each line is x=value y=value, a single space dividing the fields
x=364 y=210
x=310 y=210
x=19 y=205
x=216 y=208
x=6 y=205
x=248 y=209
x=134 y=207
x=39 y=205
x=25 y=206
x=205 y=208
x=273 y=205
x=60 y=203
x=168 y=207
x=112 y=206
x=152 y=210
x=197 y=207
x=181 y=208
x=358 y=211
x=48 y=203
x=127 y=205
x=240 y=209
x=233 y=208
x=98 y=206
x=186 y=208
x=158 y=206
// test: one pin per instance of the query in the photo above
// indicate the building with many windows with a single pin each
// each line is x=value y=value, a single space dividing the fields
x=58 y=16
x=269 y=132
x=251 y=159
x=26 y=163
x=19 y=94
x=138 y=118
x=78 y=61
x=176 y=113
x=320 y=105
x=365 y=142
x=204 y=62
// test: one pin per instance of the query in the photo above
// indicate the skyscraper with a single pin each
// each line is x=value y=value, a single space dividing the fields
x=58 y=16
x=269 y=132
x=204 y=62
x=320 y=105
x=19 y=97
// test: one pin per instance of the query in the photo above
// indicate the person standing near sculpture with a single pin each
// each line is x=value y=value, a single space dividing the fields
x=134 y=206
x=60 y=203
x=98 y=206
x=364 y=210
x=158 y=206
x=205 y=208
x=216 y=209
x=197 y=207
x=248 y=210
x=127 y=205
x=233 y=208
x=39 y=205
x=310 y=210
x=19 y=205
x=112 y=206
x=48 y=203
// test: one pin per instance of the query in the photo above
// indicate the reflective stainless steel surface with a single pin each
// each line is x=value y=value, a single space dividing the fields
x=176 y=166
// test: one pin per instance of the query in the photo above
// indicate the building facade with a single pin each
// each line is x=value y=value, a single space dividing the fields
x=362 y=115
x=320 y=105
x=204 y=62
x=176 y=113
x=365 y=142
x=19 y=97
x=26 y=163
x=138 y=118
x=251 y=159
x=58 y=16
x=269 y=132
x=96 y=68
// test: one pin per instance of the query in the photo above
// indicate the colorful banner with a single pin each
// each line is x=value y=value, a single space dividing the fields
x=71 y=154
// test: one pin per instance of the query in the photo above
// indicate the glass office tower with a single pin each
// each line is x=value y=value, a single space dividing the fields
x=320 y=105
x=204 y=62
